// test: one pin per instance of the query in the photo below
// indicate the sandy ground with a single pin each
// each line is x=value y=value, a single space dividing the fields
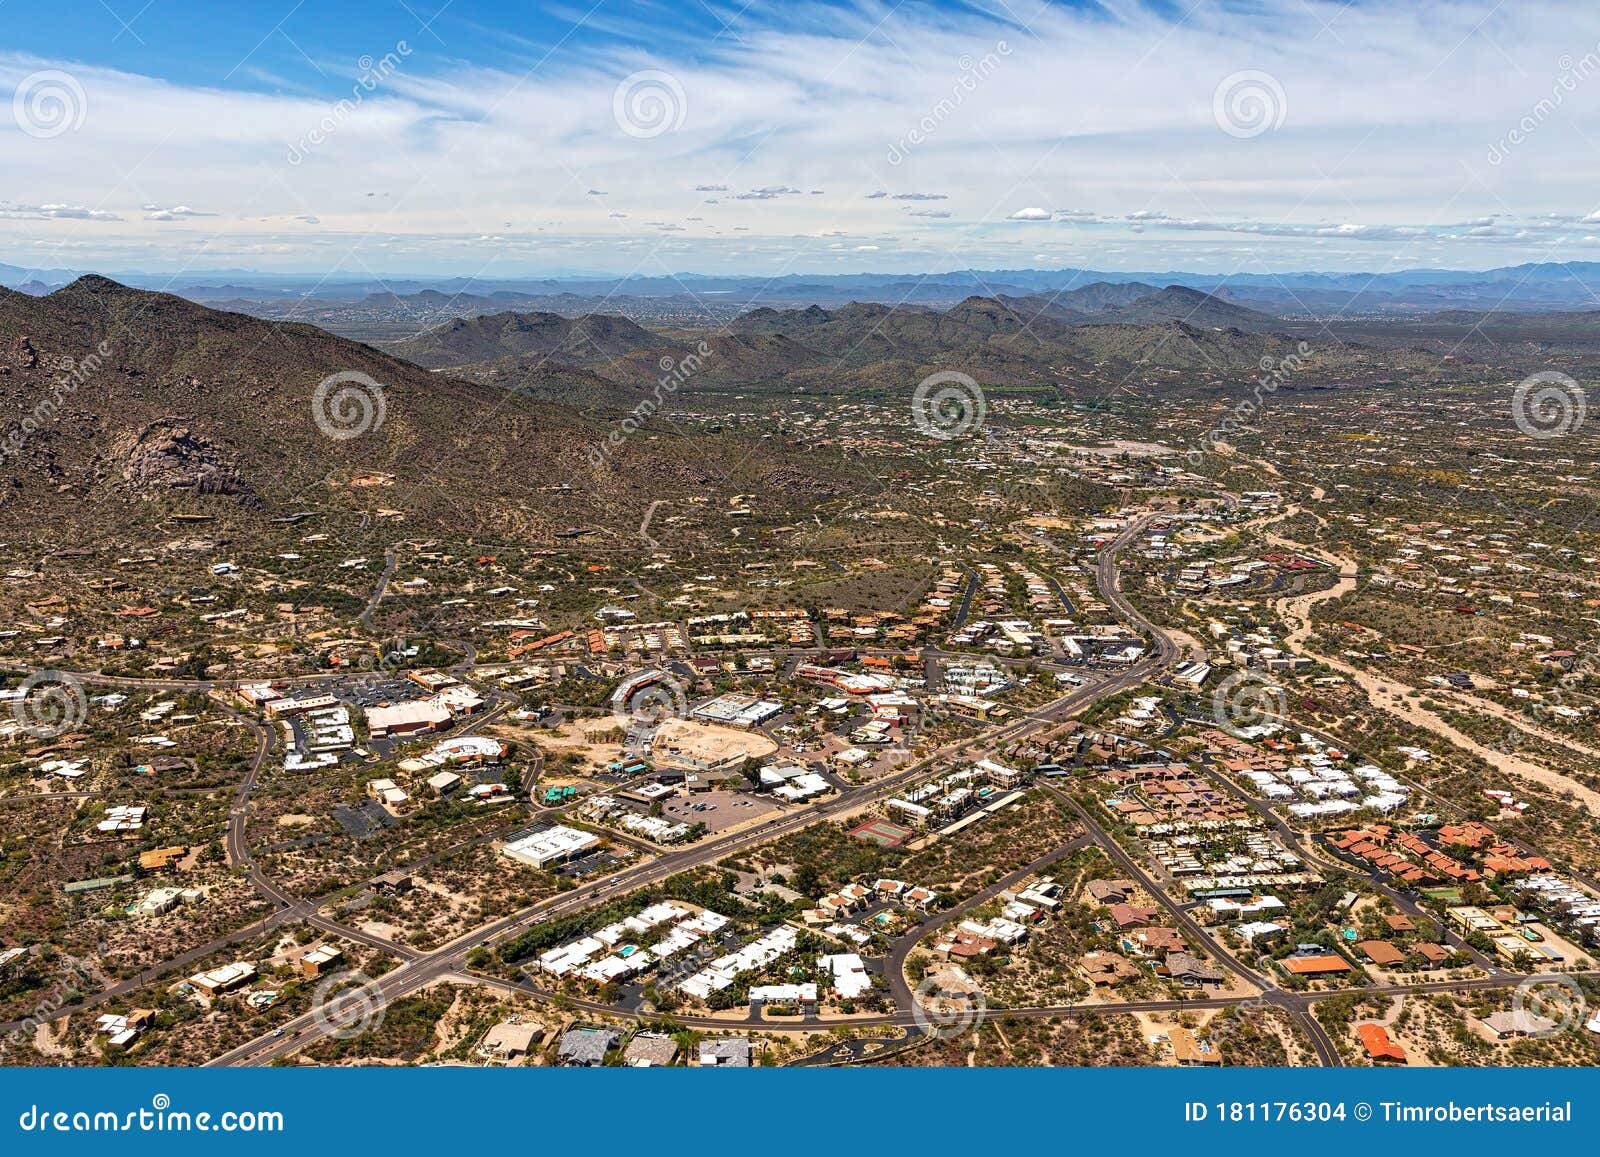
x=580 y=737
x=680 y=740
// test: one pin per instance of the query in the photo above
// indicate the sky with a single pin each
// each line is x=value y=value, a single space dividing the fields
x=618 y=137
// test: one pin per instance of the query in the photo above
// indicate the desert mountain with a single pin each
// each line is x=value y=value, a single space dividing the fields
x=123 y=410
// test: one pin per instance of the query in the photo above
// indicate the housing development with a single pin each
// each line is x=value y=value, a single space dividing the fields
x=1069 y=734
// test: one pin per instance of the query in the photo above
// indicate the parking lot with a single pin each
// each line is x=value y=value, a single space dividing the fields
x=718 y=810
x=363 y=819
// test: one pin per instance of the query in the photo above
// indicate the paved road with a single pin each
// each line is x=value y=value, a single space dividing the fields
x=390 y=561
x=420 y=969
x=450 y=959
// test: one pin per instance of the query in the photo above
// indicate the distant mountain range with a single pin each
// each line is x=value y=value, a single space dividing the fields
x=126 y=411
x=1529 y=287
x=1081 y=340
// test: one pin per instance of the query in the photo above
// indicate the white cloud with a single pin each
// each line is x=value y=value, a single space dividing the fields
x=55 y=212
x=176 y=213
x=1383 y=156
x=766 y=193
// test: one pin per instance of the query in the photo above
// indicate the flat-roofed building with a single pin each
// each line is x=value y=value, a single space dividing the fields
x=553 y=845
x=401 y=720
x=511 y=1041
x=224 y=979
x=322 y=959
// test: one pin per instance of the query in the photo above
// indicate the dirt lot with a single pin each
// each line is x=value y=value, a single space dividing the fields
x=680 y=741
x=579 y=747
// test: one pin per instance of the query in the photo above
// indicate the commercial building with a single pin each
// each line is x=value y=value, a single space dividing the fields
x=322 y=959
x=552 y=845
x=402 y=720
x=738 y=710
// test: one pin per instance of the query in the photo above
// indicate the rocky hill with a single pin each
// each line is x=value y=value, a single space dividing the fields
x=127 y=412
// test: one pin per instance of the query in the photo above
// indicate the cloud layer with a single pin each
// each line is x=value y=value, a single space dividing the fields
x=1272 y=134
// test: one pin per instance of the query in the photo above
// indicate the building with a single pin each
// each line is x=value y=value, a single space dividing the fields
x=1107 y=969
x=390 y=794
x=158 y=902
x=393 y=882
x=552 y=845
x=1382 y=953
x=1434 y=954
x=402 y=720
x=850 y=978
x=1517 y=1022
x=283 y=708
x=322 y=959
x=1110 y=892
x=511 y=1040
x=1322 y=964
x=123 y=819
x=736 y=710
x=1189 y=970
x=650 y=1050
x=162 y=859
x=586 y=1047
x=1188 y=1049
x=444 y=783
x=224 y=979
x=1380 y=1049
x=727 y=1053
x=802 y=996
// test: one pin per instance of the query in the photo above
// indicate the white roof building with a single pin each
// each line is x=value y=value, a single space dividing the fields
x=553 y=845
x=850 y=977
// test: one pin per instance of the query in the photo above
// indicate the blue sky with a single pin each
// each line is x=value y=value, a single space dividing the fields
x=279 y=45
x=627 y=136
